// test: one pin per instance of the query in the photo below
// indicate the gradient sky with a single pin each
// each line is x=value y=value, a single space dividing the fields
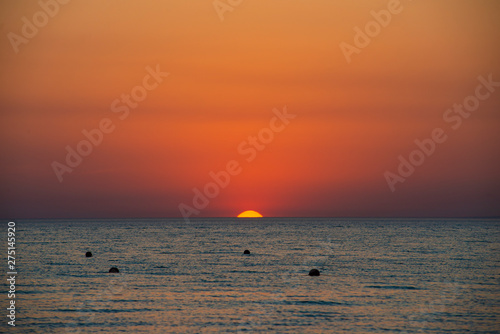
x=352 y=120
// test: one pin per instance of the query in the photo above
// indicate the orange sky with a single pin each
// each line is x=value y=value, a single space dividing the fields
x=225 y=78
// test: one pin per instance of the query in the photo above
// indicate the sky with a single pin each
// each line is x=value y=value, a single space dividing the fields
x=316 y=108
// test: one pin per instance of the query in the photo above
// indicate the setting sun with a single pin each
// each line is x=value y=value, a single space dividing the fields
x=249 y=214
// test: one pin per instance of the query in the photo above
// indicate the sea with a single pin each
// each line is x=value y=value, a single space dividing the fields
x=376 y=276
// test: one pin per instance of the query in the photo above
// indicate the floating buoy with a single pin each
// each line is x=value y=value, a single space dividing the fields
x=314 y=272
x=114 y=270
x=246 y=252
x=88 y=254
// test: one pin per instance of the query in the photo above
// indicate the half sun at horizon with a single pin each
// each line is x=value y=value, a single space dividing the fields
x=249 y=214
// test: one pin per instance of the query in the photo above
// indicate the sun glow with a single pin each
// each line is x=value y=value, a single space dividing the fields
x=249 y=214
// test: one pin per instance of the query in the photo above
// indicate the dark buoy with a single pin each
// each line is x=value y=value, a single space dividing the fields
x=314 y=272
x=246 y=252
x=114 y=270
x=88 y=254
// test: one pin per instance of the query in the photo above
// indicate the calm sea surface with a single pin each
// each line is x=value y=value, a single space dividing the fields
x=377 y=275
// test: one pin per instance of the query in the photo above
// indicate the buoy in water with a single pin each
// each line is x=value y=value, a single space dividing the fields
x=314 y=272
x=246 y=252
x=114 y=270
x=88 y=254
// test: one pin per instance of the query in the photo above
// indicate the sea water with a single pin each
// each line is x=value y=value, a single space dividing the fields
x=377 y=275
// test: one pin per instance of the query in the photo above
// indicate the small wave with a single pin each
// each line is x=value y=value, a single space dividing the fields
x=480 y=241
x=391 y=287
x=108 y=310
x=311 y=302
